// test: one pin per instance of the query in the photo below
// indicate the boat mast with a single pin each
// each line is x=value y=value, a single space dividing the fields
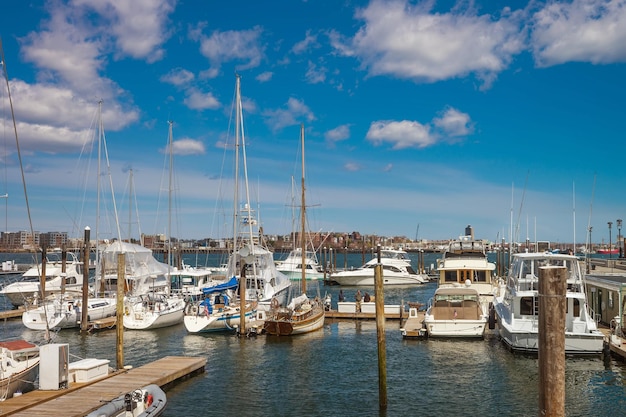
x=169 y=197
x=303 y=218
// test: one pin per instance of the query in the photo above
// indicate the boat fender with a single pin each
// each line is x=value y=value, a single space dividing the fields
x=492 y=317
x=149 y=399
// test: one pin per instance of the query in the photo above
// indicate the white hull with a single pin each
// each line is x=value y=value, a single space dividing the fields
x=19 y=365
x=297 y=275
x=67 y=315
x=216 y=322
x=357 y=280
x=164 y=313
x=455 y=328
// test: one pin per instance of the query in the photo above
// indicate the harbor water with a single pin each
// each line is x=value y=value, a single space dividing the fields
x=333 y=372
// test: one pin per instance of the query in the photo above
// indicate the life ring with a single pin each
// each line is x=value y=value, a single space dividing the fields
x=274 y=303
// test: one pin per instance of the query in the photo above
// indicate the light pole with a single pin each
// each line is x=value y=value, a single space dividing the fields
x=610 y=243
x=620 y=244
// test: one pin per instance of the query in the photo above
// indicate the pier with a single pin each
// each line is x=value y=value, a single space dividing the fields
x=82 y=398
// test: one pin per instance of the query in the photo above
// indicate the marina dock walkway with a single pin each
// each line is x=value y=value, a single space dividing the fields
x=80 y=399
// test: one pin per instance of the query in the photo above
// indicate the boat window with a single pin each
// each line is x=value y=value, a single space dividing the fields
x=576 y=307
x=410 y=270
x=526 y=306
x=480 y=276
x=450 y=276
x=391 y=268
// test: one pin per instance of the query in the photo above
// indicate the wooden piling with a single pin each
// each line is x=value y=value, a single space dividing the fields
x=84 y=320
x=380 y=334
x=552 y=302
x=119 y=327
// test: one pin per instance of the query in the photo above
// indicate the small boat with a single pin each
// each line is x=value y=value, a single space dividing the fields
x=189 y=281
x=517 y=306
x=462 y=303
x=397 y=270
x=153 y=311
x=607 y=251
x=149 y=401
x=291 y=266
x=218 y=310
x=59 y=273
x=19 y=365
x=64 y=312
x=302 y=314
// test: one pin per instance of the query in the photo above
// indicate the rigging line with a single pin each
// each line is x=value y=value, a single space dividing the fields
x=521 y=204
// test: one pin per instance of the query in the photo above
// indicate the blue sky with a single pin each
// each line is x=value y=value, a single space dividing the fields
x=421 y=117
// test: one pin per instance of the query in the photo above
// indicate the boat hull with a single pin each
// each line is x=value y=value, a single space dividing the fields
x=66 y=316
x=289 y=326
x=139 y=318
x=353 y=280
x=216 y=322
x=455 y=328
x=20 y=382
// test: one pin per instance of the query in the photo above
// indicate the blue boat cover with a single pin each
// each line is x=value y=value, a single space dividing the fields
x=229 y=285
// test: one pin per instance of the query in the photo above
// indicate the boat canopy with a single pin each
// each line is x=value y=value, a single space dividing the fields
x=229 y=285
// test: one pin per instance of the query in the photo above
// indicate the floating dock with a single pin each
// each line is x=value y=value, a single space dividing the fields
x=12 y=314
x=82 y=398
x=413 y=327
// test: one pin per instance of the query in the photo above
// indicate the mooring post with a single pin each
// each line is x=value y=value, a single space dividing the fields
x=119 y=318
x=380 y=333
x=552 y=301
x=84 y=316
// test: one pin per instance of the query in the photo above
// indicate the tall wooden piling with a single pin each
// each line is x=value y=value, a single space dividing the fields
x=119 y=323
x=552 y=302
x=84 y=325
x=380 y=334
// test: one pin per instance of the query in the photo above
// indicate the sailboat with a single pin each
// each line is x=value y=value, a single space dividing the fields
x=156 y=308
x=251 y=263
x=302 y=314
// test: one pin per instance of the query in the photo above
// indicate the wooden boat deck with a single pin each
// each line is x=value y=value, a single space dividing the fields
x=82 y=398
x=413 y=326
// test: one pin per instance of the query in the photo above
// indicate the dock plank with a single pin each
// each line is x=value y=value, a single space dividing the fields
x=84 y=398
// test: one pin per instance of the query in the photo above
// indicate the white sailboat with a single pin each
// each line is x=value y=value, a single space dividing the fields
x=160 y=307
x=250 y=264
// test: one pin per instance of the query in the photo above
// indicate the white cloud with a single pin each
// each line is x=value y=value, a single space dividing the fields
x=178 y=77
x=454 y=123
x=352 y=166
x=242 y=46
x=403 y=134
x=338 y=134
x=293 y=114
x=315 y=74
x=139 y=26
x=187 y=146
x=408 y=41
x=198 y=100
x=308 y=42
x=451 y=125
x=264 y=76
x=583 y=30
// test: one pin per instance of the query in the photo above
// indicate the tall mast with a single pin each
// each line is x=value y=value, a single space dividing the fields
x=169 y=196
x=303 y=218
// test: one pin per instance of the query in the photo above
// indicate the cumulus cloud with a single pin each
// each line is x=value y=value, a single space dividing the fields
x=186 y=146
x=240 y=46
x=309 y=41
x=451 y=125
x=197 y=100
x=264 y=76
x=582 y=30
x=139 y=27
x=352 y=166
x=292 y=114
x=338 y=134
x=408 y=41
x=178 y=77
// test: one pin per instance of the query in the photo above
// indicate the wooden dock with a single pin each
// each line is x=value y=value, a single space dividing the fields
x=81 y=399
x=334 y=314
x=12 y=314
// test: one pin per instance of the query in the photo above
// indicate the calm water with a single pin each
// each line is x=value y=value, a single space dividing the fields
x=334 y=371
